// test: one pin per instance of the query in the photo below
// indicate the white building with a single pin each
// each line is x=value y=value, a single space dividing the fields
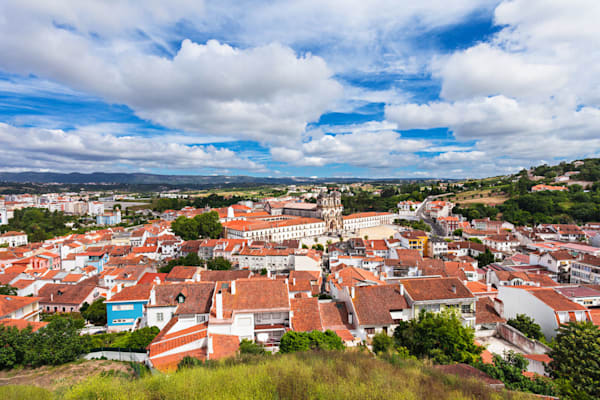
x=354 y=222
x=13 y=239
x=95 y=208
x=547 y=307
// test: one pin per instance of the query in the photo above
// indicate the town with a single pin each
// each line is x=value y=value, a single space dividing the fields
x=210 y=278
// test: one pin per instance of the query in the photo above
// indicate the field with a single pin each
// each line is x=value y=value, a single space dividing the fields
x=59 y=377
x=320 y=375
x=479 y=196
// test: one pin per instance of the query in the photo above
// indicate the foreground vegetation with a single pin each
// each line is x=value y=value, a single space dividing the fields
x=305 y=375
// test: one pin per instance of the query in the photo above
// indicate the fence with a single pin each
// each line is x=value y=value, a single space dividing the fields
x=118 y=354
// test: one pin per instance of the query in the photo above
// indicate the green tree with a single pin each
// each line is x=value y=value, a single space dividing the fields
x=57 y=343
x=485 y=258
x=249 y=347
x=8 y=290
x=293 y=341
x=439 y=336
x=96 y=312
x=510 y=371
x=186 y=228
x=218 y=264
x=576 y=360
x=141 y=338
x=527 y=326
x=382 y=343
x=457 y=232
x=209 y=225
x=190 y=260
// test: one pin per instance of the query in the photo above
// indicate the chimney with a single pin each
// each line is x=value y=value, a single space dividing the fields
x=294 y=281
x=352 y=291
x=350 y=318
x=232 y=287
x=219 y=305
x=453 y=288
x=51 y=296
x=401 y=289
x=153 y=296
x=488 y=287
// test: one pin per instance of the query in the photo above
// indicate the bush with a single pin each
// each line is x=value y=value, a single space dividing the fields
x=96 y=312
x=527 y=326
x=382 y=343
x=439 y=336
x=249 y=347
x=316 y=340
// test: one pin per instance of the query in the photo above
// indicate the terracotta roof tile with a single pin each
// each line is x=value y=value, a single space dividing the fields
x=373 y=304
x=424 y=289
x=306 y=315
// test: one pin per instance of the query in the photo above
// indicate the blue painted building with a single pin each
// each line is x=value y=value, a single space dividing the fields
x=126 y=307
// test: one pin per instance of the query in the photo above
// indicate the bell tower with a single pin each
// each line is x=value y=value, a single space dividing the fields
x=329 y=207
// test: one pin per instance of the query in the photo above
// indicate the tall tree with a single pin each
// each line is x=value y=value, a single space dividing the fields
x=209 y=225
x=576 y=360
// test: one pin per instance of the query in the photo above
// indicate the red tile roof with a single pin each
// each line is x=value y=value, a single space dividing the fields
x=306 y=315
x=425 y=289
x=133 y=293
x=22 y=324
x=373 y=304
x=555 y=300
x=10 y=304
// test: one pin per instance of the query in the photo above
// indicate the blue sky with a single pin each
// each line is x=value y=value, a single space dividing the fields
x=447 y=89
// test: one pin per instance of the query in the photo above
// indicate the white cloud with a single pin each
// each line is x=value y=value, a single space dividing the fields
x=371 y=145
x=89 y=150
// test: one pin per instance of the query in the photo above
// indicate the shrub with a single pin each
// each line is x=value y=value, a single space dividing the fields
x=382 y=343
x=249 y=347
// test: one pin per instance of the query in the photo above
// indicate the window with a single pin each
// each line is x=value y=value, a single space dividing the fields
x=123 y=321
x=465 y=309
x=563 y=317
x=200 y=319
x=431 y=307
x=122 y=307
x=159 y=316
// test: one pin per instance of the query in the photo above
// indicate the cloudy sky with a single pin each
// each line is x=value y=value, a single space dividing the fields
x=399 y=88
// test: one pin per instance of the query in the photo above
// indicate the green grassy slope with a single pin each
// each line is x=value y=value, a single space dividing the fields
x=337 y=375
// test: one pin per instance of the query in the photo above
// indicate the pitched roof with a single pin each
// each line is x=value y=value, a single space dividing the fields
x=555 y=300
x=255 y=294
x=60 y=293
x=198 y=296
x=485 y=313
x=133 y=293
x=214 y=276
x=10 y=304
x=425 y=289
x=306 y=316
x=22 y=324
x=181 y=273
x=373 y=304
x=334 y=315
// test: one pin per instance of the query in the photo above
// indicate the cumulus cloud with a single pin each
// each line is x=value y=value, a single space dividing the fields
x=529 y=94
x=266 y=93
x=89 y=150
x=372 y=145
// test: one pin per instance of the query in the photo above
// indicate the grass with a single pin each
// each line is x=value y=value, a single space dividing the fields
x=322 y=375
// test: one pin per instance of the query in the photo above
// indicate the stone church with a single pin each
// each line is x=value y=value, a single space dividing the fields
x=328 y=208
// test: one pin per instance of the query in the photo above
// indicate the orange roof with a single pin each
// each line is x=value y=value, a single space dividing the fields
x=22 y=324
x=10 y=304
x=223 y=346
x=72 y=278
x=306 y=315
x=555 y=300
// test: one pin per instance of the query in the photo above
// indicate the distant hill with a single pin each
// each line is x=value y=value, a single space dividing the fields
x=150 y=179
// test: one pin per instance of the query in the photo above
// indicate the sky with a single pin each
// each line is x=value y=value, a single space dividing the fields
x=325 y=88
